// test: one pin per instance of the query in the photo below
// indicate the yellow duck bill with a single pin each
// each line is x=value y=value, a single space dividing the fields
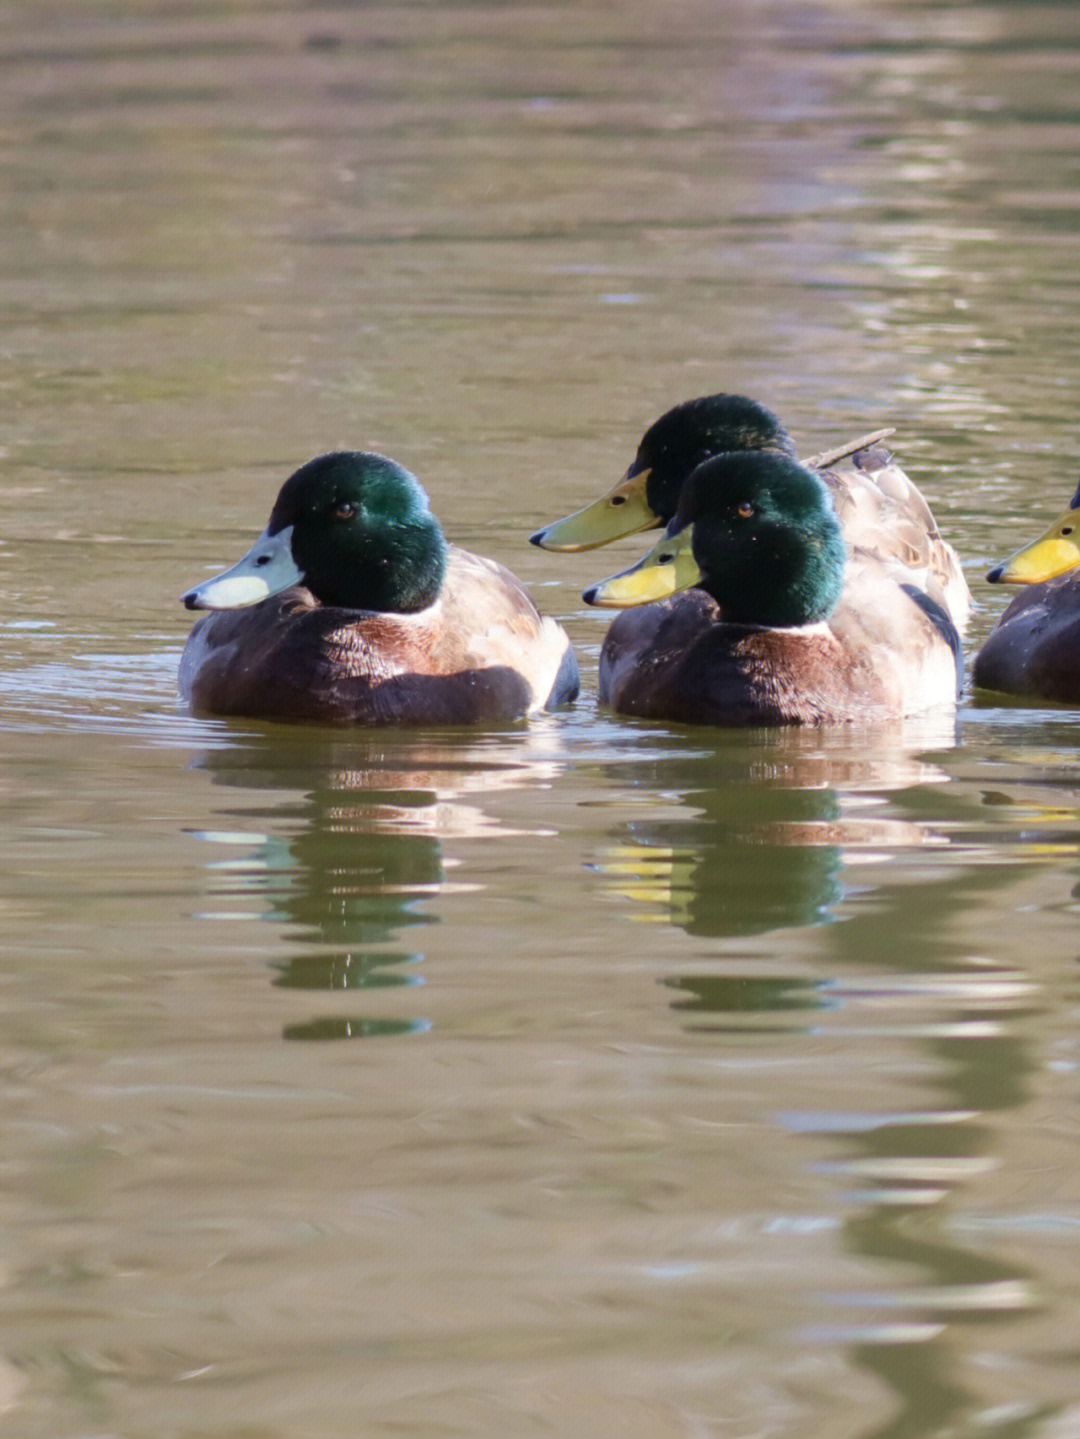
x=624 y=510
x=1054 y=553
x=668 y=568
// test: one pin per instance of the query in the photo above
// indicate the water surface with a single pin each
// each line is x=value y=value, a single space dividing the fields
x=585 y=1076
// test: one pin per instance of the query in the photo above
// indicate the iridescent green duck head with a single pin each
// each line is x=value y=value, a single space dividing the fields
x=758 y=532
x=679 y=441
x=354 y=528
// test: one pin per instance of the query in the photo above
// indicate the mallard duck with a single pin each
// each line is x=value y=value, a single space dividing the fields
x=782 y=622
x=902 y=603
x=1035 y=648
x=880 y=510
x=351 y=608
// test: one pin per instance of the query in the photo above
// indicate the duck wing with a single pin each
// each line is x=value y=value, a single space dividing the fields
x=884 y=514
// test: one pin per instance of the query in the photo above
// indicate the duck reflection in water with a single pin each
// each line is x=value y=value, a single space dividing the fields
x=778 y=843
x=354 y=859
x=768 y=846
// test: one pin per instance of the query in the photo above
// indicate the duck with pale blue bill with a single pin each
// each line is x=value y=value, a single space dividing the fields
x=352 y=608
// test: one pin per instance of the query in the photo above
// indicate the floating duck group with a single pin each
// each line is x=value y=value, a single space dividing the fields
x=781 y=591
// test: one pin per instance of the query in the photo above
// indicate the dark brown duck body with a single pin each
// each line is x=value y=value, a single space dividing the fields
x=292 y=658
x=679 y=660
x=1034 y=651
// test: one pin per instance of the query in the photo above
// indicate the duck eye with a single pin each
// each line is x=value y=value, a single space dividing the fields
x=345 y=510
x=745 y=510
x=1066 y=529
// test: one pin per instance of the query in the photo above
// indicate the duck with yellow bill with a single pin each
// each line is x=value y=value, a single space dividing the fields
x=1034 y=650
x=901 y=603
x=879 y=508
x=755 y=612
